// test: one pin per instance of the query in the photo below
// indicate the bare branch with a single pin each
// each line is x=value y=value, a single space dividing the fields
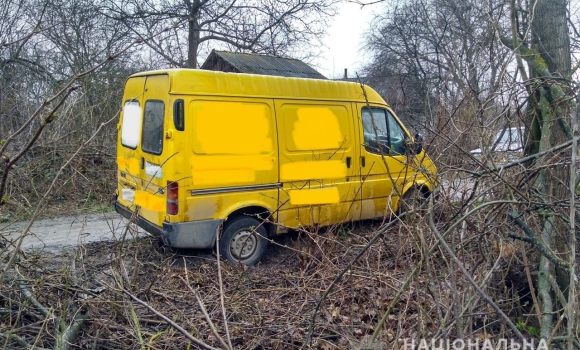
x=169 y=322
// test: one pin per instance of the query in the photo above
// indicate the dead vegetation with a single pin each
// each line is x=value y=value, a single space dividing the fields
x=113 y=288
x=503 y=272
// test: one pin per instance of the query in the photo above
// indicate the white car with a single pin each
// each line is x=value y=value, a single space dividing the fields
x=506 y=140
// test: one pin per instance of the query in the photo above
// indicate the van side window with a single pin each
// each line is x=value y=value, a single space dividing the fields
x=152 y=139
x=382 y=133
x=131 y=126
x=179 y=115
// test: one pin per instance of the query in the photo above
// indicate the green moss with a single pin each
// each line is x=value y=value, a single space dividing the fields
x=541 y=62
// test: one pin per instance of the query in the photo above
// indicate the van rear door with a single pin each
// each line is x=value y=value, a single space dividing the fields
x=141 y=153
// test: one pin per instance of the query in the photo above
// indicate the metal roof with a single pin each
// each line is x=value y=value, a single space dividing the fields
x=260 y=64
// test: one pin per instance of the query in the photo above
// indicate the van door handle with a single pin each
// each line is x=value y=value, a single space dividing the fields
x=363 y=161
x=142 y=163
x=348 y=162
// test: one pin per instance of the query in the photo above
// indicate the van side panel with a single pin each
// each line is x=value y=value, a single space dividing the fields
x=221 y=205
x=233 y=160
x=318 y=163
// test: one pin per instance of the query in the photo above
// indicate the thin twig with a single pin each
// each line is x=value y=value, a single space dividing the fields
x=44 y=198
x=531 y=283
x=571 y=322
x=202 y=307
x=523 y=160
x=169 y=322
x=338 y=277
x=534 y=240
x=20 y=341
x=222 y=287
x=468 y=277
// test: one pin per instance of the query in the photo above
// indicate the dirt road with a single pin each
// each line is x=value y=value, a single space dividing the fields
x=67 y=231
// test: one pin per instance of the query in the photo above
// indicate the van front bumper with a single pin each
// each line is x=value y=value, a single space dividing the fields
x=194 y=234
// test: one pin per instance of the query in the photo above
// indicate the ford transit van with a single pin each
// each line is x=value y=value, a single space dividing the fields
x=208 y=156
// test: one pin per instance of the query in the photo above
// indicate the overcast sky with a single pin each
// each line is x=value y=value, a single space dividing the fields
x=344 y=41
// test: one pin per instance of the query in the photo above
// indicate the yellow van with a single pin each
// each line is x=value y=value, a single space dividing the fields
x=249 y=156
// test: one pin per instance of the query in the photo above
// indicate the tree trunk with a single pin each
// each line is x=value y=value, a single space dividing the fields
x=550 y=35
x=550 y=39
x=193 y=35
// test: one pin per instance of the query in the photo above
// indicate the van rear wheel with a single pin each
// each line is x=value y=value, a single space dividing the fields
x=243 y=241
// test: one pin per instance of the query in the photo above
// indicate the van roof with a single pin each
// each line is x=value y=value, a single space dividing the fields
x=205 y=82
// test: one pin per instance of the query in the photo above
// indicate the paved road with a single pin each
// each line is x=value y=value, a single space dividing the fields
x=54 y=234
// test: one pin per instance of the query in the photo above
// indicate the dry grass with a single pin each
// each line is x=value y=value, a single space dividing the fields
x=268 y=306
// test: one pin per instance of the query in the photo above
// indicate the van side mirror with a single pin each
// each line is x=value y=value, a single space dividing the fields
x=418 y=145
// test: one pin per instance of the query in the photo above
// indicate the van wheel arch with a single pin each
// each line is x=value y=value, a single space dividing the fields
x=260 y=213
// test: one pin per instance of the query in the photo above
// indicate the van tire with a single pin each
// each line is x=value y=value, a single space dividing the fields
x=411 y=200
x=246 y=235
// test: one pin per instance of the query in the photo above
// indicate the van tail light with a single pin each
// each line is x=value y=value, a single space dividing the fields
x=172 y=198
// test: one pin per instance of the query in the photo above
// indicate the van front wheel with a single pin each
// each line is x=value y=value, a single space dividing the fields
x=411 y=200
x=243 y=241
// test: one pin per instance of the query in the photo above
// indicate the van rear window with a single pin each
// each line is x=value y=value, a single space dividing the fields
x=152 y=140
x=131 y=124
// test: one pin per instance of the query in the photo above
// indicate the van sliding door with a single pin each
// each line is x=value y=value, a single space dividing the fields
x=318 y=163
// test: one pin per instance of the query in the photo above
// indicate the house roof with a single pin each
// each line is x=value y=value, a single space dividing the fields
x=259 y=64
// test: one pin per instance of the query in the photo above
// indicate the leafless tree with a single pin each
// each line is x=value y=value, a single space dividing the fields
x=46 y=44
x=545 y=46
x=482 y=67
x=273 y=27
x=436 y=58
